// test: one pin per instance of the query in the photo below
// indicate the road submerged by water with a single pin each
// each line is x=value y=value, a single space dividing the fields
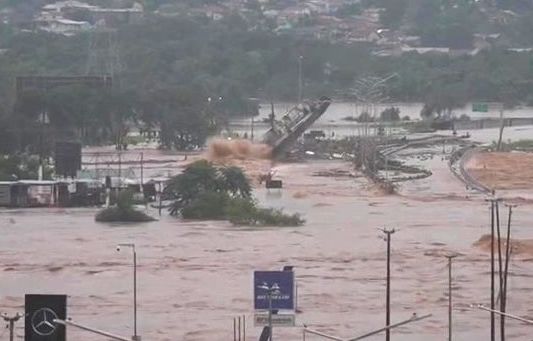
x=194 y=277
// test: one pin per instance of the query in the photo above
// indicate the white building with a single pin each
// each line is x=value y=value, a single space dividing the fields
x=50 y=22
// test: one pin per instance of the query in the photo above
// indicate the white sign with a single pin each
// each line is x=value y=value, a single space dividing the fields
x=278 y=320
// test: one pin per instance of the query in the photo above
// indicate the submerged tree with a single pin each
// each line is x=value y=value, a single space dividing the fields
x=390 y=114
x=123 y=212
x=205 y=191
x=202 y=178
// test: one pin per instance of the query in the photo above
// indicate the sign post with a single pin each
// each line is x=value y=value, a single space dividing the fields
x=41 y=312
x=274 y=291
x=278 y=320
x=283 y=280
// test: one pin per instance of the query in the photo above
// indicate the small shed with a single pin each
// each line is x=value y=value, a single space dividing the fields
x=5 y=192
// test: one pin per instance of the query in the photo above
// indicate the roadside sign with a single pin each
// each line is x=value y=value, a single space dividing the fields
x=41 y=310
x=278 y=320
x=480 y=107
x=282 y=279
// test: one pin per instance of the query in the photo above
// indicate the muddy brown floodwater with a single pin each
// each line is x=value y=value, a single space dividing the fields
x=503 y=171
x=194 y=277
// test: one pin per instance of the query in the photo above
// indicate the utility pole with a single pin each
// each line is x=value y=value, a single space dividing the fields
x=502 y=125
x=500 y=271
x=252 y=130
x=270 y=313
x=300 y=58
x=450 y=257
x=142 y=172
x=493 y=203
x=42 y=120
x=11 y=320
x=503 y=298
x=492 y=327
x=388 y=234
x=96 y=171
x=386 y=167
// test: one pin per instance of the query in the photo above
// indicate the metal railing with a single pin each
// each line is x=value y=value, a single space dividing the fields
x=92 y=330
x=239 y=329
x=514 y=317
x=413 y=318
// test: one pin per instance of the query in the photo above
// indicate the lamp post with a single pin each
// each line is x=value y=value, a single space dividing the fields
x=271 y=291
x=135 y=337
x=11 y=320
x=212 y=105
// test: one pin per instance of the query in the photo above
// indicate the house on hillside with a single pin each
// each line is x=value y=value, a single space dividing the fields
x=122 y=15
x=50 y=22
x=54 y=17
x=213 y=12
x=61 y=6
x=485 y=41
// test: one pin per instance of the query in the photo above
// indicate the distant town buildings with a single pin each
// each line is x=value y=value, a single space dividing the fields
x=71 y=16
x=337 y=21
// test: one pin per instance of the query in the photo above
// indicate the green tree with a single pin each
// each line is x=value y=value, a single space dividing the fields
x=205 y=191
x=390 y=114
x=365 y=117
x=197 y=179
x=235 y=182
x=183 y=116
x=394 y=13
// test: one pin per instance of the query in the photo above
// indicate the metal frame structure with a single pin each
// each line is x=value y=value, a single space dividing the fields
x=371 y=91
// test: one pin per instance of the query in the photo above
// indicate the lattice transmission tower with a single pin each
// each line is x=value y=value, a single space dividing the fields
x=103 y=54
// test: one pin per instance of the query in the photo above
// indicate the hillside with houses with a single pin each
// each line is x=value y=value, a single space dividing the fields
x=392 y=28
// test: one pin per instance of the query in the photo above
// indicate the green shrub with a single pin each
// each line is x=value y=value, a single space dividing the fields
x=204 y=191
x=210 y=206
x=116 y=214
x=123 y=211
x=125 y=200
x=247 y=213
x=522 y=145
x=239 y=211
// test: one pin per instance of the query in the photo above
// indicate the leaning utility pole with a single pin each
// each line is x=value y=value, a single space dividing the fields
x=387 y=317
x=503 y=290
x=450 y=257
x=502 y=125
x=500 y=270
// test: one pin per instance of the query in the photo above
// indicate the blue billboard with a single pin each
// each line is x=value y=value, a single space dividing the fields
x=284 y=280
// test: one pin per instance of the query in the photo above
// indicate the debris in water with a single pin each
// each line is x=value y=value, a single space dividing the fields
x=218 y=149
x=502 y=170
x=518 y=247
x=299 y=195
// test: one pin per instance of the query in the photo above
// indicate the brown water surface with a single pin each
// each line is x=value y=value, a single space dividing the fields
x=194 y=277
